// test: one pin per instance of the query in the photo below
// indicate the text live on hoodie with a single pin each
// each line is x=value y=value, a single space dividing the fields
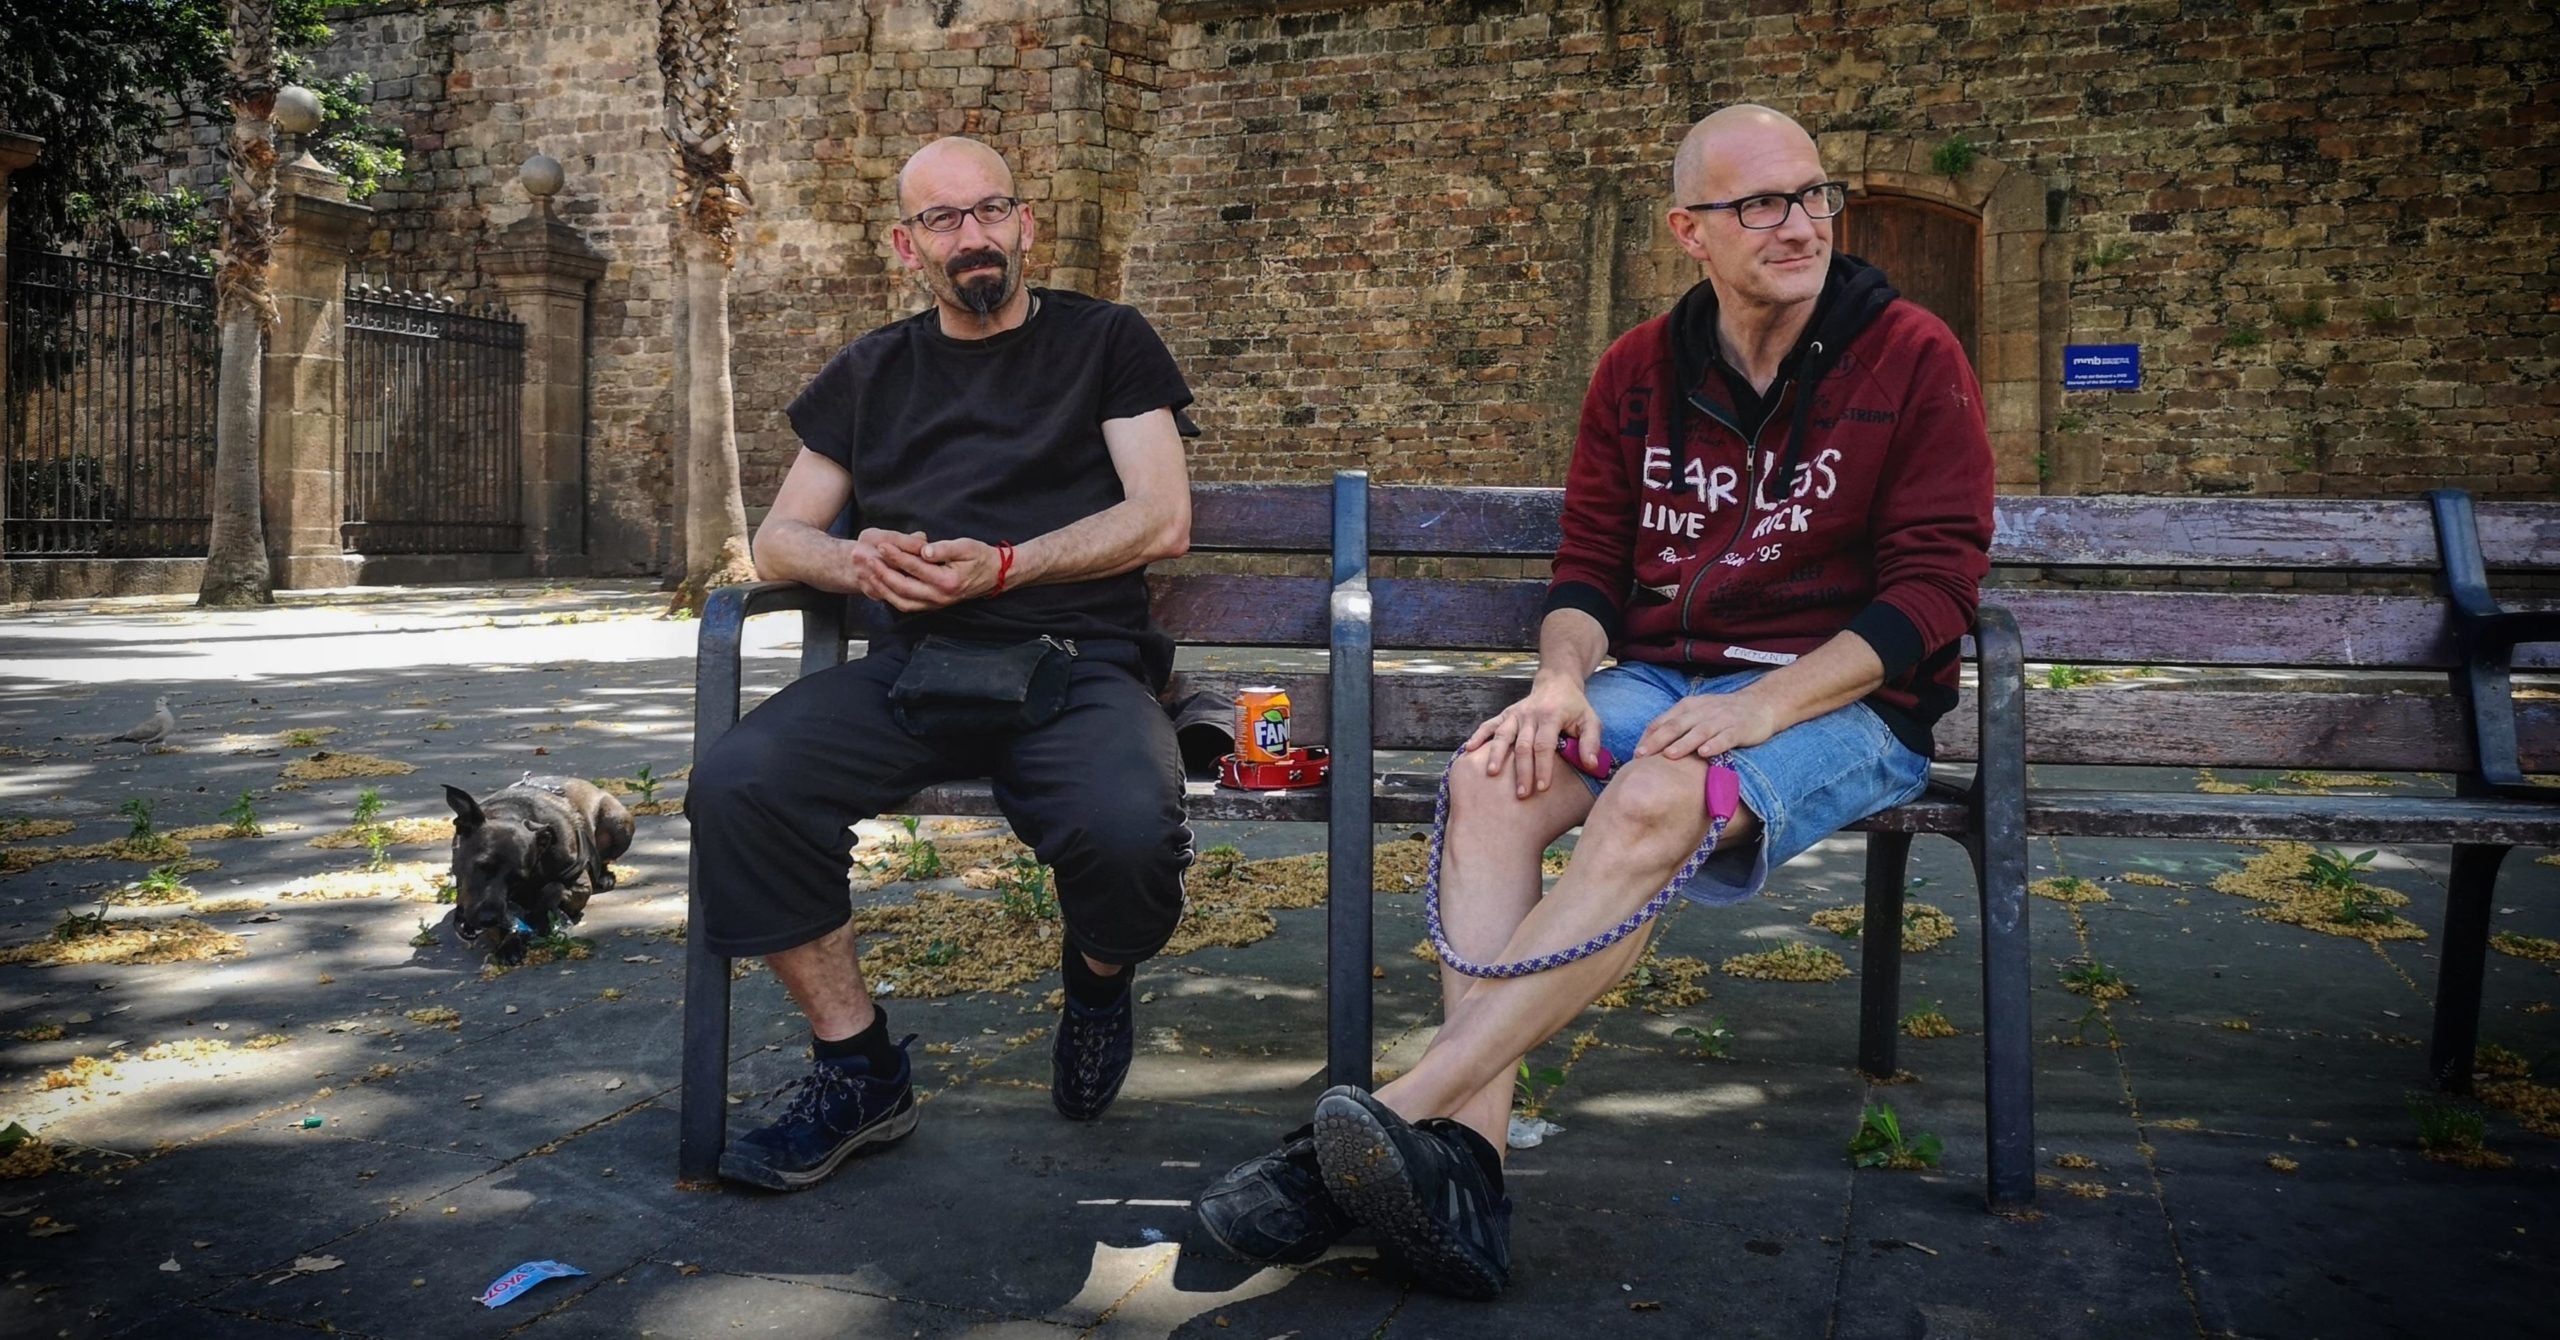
x=1868 y=498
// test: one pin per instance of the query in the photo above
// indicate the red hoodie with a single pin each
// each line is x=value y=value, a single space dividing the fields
x=1871 y=498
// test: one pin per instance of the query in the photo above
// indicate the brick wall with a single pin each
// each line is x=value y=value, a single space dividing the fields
x=1398 y=234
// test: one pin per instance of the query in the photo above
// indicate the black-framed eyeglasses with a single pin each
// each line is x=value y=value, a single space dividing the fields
x=991 y=211
x=1769 y=211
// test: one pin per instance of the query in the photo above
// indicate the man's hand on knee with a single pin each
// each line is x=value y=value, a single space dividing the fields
x=1707 y=725
x=1522 y=737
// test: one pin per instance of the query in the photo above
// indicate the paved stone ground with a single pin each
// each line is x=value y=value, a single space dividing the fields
x=1686 y=1195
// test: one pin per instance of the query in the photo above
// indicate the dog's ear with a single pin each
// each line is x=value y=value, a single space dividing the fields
x=466 y=811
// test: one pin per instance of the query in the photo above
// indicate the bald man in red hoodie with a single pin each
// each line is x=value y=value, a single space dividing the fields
x=1777 y=519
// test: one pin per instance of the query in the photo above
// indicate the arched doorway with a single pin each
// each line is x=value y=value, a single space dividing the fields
x=1931 y=252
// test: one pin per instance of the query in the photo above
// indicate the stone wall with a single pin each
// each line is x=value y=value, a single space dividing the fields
x=1398 y=234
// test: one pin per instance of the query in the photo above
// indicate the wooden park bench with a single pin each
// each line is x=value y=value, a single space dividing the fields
x=1352 y=614
x=1327 y=613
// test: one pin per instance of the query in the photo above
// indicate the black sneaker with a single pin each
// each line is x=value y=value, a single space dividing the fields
x=1431 y=1191
x=837 y=1108
x=1274 y=1208
x=1091 y=1054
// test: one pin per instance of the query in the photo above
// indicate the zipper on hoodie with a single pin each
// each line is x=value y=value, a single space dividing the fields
x=1750 y=501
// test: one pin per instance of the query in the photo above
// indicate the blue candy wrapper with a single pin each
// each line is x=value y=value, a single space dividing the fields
x=504 y=1288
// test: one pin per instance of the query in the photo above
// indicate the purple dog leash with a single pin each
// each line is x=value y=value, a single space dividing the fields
x=1723 y=801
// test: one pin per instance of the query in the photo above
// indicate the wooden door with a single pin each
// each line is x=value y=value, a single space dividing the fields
x=1931 y=252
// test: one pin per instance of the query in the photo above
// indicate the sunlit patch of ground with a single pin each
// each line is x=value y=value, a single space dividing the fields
x=399 y=833
x=92 y=941
x=328 y=767
x=1923 y=927
x=1790 y=962
x=2282 y=880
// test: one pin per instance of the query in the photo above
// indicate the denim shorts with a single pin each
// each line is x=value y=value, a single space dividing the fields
x=1806 y=782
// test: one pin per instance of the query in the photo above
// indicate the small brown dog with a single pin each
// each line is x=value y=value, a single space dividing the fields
x=519 y=856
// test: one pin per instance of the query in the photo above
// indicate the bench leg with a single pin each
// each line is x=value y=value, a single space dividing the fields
x=702 y=1119
x=1880 y=985
x=2461 y=964
x=2000 y=863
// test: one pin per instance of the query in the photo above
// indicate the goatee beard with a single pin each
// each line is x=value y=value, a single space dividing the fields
x=982 y=296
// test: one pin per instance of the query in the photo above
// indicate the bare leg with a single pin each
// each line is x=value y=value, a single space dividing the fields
x=825 y=980
x=1489 y=883
x=1640 y=831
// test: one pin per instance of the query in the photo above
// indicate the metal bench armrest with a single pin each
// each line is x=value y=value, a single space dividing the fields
x=2485 y=639
x=718 y=665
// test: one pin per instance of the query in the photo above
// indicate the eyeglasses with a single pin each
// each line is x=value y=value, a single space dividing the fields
x=991 y=211
x=1770 y=211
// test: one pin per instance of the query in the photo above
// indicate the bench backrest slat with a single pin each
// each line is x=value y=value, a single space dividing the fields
x=2246 y=629
x=1262 y=518
x=2130 y=726
x=2034 y=531
x=2090 y=627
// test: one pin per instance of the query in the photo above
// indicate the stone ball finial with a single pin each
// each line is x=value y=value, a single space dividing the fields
x=297 y=110
x=541 y=176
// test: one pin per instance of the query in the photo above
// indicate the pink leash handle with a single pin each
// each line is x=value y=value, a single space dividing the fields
x=1724 y=785
x=1600 y=765
x=1724 y=793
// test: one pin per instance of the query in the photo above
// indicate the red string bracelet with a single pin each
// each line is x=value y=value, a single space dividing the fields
x=1004 y=566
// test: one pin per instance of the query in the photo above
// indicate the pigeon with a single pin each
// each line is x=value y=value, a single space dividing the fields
x=150 y=733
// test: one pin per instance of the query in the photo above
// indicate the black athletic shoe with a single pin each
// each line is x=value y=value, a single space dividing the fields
x=1091 y=1055
x=837 y=1108
x=1431 y=1191
x=1274 y=1208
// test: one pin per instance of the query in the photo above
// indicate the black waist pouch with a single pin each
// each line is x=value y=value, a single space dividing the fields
x=952 y=687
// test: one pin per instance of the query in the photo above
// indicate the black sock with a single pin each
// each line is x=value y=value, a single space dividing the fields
x=1091 y=989
x=871 y=1044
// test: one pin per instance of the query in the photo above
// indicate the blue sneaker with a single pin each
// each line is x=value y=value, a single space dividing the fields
x=1431 y=1190
x=1091 y=1056
x=836 y=1109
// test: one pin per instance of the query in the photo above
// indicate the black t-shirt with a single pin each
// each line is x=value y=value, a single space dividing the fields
x=1000 y=440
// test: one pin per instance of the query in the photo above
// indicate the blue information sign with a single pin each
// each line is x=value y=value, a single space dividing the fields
x=2101 y=367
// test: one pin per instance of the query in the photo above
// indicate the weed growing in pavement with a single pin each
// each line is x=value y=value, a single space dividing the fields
x=1880 y=1142
x=1714 y=1040
x=1022 y=885
x=242 y=817
x=80 y=925
x=2097 y=981
x=919 y=858
x=377 y=837
x=1221 y=862
x=2332 y=870
x=1533 y=1086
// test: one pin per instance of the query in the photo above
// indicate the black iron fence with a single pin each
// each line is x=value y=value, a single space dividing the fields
x=433 y=399
x=107 y=445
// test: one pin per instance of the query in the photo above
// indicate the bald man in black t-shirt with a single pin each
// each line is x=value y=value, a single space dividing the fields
x=1014 y=458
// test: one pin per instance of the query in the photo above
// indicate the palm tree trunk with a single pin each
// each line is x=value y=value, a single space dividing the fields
x=235 y=568
x=715 y=521
x=698 y=58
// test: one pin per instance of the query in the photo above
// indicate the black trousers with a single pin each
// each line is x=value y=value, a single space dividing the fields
x=1096 y=792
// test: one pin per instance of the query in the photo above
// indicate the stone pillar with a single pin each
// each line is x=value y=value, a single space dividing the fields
x=301 y=456
x=546 y=270
x=16 y=151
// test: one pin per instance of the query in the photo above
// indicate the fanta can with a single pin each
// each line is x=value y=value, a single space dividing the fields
x=1262 y=724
